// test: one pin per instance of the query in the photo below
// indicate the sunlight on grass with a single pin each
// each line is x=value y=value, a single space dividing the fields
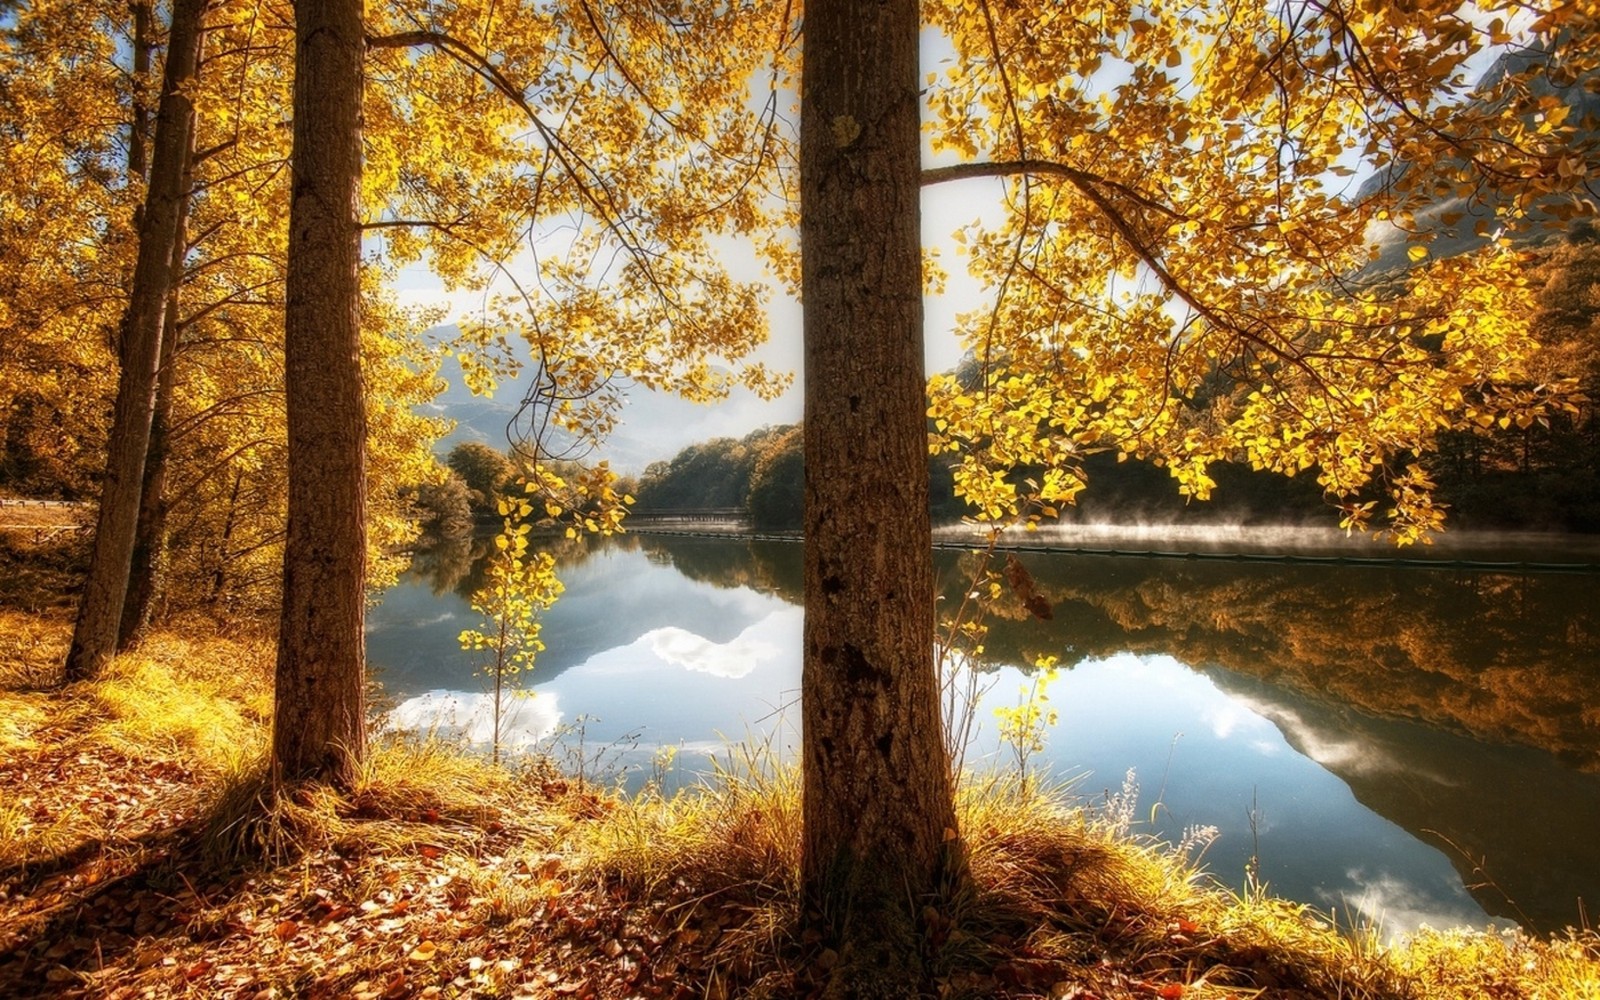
x=740 y=825
x=20 y=717
x=26 y=840
x=1063 y=882
x=411 y=792
x=1459 y=963
x=168 y=698
x=32 y=649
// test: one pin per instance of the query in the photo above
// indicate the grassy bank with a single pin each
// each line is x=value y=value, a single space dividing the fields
x=136 y=860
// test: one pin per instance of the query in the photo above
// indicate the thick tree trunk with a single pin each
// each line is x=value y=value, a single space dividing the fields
x=319 y=731
x=880 y=823
x=94 y=638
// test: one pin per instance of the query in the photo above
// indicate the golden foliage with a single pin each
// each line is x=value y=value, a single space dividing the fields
x=1184 y=272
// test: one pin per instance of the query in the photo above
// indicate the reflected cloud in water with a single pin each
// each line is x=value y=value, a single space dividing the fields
x=719 y=659
x=1208 y=756
x=769 y=642
x=376 y=626
x=1336 y=751
x=529 y=717
x=1400 y=907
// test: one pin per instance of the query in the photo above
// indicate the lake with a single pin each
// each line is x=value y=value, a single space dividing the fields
x=1398 y=743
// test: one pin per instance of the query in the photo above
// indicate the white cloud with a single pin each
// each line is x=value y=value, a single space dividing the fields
x=733 y=659
x=527 y=719
x=1398 y=907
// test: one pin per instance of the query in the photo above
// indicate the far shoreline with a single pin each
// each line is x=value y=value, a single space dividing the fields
x=1478 y=550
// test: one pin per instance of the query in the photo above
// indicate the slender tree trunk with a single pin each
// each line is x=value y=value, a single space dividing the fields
x=219 y=575
x=880 y=823
x=94 y=638
x=147 y=577
x=139 y=128
x=319 y=729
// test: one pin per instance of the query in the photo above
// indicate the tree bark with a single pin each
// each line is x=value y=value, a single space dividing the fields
x=319 y=729
x=139 y=128
x=880 y=828
x=147 y=575
x=94 y=638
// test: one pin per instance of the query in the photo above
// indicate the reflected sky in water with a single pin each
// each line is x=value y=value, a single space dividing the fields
x=652 y=658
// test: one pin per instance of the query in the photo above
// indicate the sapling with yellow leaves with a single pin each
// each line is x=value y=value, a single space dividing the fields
x=522 y=580
x=1023 y=725
x=522 y=584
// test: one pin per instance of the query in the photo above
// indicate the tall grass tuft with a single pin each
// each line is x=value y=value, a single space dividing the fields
x=410 y=792
x=717 y=861
x=739 y=826
x=169 y=699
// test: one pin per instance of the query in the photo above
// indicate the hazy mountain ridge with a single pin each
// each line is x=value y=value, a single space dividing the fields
x=652 y=425
x=1473 y=224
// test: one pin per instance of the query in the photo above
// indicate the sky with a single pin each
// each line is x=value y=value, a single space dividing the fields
x=662 y=428
x=946 y=208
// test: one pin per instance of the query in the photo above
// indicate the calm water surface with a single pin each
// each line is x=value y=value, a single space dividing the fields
x=1408 y=745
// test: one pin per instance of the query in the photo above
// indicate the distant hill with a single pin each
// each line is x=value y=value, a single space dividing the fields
x=1459 y=226
x=654 y=425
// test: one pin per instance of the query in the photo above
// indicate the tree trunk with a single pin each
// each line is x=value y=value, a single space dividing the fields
x=879 y=839
x=139 y=128
x=319 y=729
x=94 y=638
x=147 y=576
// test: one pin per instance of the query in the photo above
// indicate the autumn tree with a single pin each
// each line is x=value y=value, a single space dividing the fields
x=485 y=471
x=61 y=297
x=1181 y=274
x=160 y=241
x=1186 y=274
x=508 y=141
x=775 y=497
x=319 y=718
x=880 y=833
x=1546 y=473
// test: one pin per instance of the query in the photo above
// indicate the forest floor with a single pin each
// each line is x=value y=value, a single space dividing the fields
x=137 y=860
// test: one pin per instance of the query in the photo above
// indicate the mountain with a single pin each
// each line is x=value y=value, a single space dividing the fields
x=1457 y=225
x=653 y=425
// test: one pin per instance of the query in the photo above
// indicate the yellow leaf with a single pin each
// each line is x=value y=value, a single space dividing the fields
x=424 y=952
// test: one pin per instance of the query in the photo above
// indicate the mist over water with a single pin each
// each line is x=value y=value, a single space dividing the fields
x=1297 y=540
x=1367 y=733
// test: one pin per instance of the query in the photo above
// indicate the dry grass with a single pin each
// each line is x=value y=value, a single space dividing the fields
x=1470 y=965
x=167 y=699
x=1061 y=902
x=410 y=793
x=32 y=649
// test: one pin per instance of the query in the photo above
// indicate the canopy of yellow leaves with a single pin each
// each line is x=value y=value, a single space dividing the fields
x=1184 y=269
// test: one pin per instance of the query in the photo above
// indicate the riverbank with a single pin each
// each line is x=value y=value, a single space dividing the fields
x=134 y=862
x=1529 y=551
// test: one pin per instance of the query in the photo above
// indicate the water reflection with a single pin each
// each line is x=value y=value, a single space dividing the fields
x=1380 y=738
x=528 y=719
x=720 y=659
x=1204 y=758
